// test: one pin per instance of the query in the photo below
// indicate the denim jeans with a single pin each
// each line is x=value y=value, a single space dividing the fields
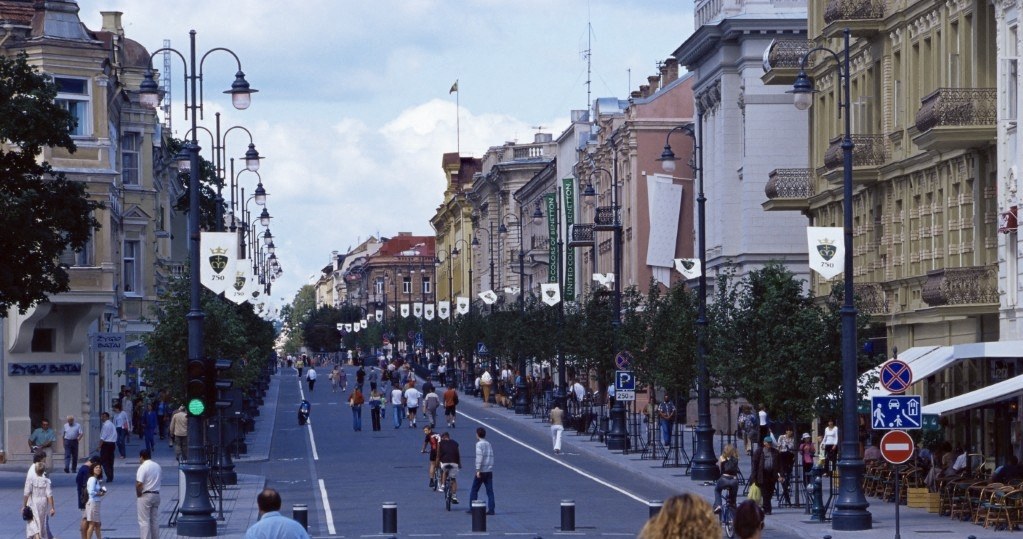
x=486 y=479
x=665 y=432
x=397 y=413
x=122 y=438
x=70 y=455
x=357 y=417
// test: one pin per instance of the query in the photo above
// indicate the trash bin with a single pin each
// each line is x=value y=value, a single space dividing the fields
x=303 y=412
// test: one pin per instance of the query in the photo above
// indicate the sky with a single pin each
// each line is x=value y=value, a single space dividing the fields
x=354 y=113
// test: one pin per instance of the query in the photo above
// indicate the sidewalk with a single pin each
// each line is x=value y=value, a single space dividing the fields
x=788 y=522
x=118 y=511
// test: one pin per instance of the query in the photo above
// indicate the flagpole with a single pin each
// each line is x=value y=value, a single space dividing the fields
x=458 y=127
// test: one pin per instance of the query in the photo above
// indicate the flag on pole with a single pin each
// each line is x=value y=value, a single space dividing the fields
x=550 y=293
x=454 y=87
x=462 y=304
x=443 y=309
x=690 y=268
x=489 y=297
x=827 y=249
x=428 y=311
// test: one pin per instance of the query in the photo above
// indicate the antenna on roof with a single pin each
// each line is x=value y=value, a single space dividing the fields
x=538 y=127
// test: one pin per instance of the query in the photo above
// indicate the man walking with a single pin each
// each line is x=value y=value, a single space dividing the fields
x=272 y=524
x=666 y=414
x=122 y=421
x=72 y=434
x=557 y=426
x=450 y=404
x=147 y=492
x=107 y=441
x=42 y=439
x=311 y=377
x=397 y=400
x=179 y=434
x=484 y=470
x=766 y=471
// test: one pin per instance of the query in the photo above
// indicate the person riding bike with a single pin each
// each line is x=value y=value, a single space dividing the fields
x=728 y=462
x=450 y=462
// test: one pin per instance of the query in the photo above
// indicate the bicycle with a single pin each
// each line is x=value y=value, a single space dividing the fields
x=449 y=496
x=727 y=514
x=436 y=478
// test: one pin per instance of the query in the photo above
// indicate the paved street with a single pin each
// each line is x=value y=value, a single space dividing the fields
x=357 y=471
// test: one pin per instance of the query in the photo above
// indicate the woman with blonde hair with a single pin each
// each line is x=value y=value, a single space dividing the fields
x=728 y=463
x=39 y=497
x=686 y=516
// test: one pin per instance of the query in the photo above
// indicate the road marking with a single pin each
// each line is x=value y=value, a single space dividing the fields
x=583 y=473
x=326 y=509
x=309 y=424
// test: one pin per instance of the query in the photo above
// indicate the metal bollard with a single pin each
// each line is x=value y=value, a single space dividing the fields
x=479 y=516
x=817 y=495
x=390 y=515
x=568 y=515
x=655 y=507
x=300 y=514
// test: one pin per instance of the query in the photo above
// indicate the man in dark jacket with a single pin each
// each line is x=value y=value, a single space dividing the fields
x=766 y=471
x=450 y=462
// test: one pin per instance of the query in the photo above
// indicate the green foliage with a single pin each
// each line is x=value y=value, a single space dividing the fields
x=41 y=213
x=294 y=316
x=209 y=184
x=229 y=332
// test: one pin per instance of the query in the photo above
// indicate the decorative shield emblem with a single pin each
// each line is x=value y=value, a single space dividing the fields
x=443 y=309
x=462 y=305
x=826 y=249
x=489 y=297
x=239 y=281
x=218 y=259
x=550 y=293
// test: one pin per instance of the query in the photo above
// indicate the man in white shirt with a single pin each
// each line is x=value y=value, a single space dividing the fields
x=147 y=492
x=412 y=396
x=107 y=441
x=72 y=434
x=397 y=401
x=762 y=414
x=122 y=421
x=311 y=377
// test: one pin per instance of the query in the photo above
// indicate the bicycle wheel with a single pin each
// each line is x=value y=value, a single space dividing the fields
x=726 y=521
x=448 y=495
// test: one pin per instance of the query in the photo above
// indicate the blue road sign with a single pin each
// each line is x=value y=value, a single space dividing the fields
x=625 y=381
x=481 y=349
x=896 y=412
x=896 y=376
x=623 y=360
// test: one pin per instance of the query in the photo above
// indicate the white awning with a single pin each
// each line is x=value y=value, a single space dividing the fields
x=986 y=395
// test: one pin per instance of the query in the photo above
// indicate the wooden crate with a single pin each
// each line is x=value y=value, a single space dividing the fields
x=933 y=502
x=917 y=497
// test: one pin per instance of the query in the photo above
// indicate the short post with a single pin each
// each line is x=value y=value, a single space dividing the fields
x=568 y=515
x=655 y=507
x=479 y=516
x=390 y=516
x=817 y=496
x=300 y=514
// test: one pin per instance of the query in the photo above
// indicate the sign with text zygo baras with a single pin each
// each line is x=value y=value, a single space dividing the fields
x=109 y=342
x=217 y=259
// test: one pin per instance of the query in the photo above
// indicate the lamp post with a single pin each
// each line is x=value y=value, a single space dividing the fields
x=618 y=436
x=704 y=461
x=521 y=398
x=219 y=141
x=851 y=506
x=196 y=518
x=455 y=251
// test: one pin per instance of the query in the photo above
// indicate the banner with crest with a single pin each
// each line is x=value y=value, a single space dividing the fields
x=380 y=315
x=690 y=268
x=827 y=249
x=550 y=293
x=217 y=260
x=489 y=297
x=462 y=304
x=417 y=309
x=404 y=310
x=428 y=311
x=241 y=284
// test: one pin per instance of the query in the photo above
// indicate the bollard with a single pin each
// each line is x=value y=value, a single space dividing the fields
x=300 y=514
x=479 y=516
x=390 y=514
x=817 y=505
x=655 y=507
x=568 y=515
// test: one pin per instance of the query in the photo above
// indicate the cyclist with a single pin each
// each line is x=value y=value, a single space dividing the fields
x=729 y=464
x=432 y=441
x=450 y=463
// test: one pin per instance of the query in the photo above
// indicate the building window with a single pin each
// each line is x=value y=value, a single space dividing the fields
x=406 y=285
x=81 y=258
x=379 y=286
x=73 y=96
x=130 y=144
x=426 y=285
x=42 y=340
x=132 y=264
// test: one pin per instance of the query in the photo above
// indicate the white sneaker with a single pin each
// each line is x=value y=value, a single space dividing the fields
x=440 y=488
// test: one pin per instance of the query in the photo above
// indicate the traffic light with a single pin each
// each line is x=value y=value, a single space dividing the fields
x=219 y=382
x=197 y=387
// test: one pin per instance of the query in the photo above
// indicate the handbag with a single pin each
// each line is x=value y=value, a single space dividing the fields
x=26 y=513
x=755 y=494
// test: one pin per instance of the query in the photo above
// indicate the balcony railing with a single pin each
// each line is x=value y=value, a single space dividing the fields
x=870 y=298
x=580 y=235
x=853 y=10
x=606 y=218
x=868 y=151
x=961 y=286
x=785 y=54
x=789 y=183
x=957 y=107
x=527 y=152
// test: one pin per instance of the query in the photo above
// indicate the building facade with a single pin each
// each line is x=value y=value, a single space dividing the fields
x=452 y=223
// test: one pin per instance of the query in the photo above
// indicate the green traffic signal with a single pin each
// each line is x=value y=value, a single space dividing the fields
x=196 y=407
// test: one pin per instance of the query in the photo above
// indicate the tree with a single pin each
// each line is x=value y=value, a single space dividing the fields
x=42 y=213
x=295 y=315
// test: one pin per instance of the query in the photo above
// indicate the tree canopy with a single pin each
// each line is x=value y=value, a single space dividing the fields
x=42 y=213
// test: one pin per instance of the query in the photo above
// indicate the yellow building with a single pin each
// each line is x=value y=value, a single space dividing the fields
x=453 y=226
x=924 y=119
x=55 y=364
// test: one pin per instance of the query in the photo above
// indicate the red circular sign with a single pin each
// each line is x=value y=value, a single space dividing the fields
x=897 y=447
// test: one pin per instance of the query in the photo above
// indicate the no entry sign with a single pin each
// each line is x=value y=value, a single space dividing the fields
x=897 y=447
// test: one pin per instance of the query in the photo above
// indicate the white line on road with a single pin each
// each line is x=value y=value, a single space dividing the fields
x=583 y=473
x=326 y=509
x=308 y=423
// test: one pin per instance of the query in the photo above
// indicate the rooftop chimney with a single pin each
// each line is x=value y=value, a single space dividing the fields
x=654 y=81
x=112 y=22
x=671 y=74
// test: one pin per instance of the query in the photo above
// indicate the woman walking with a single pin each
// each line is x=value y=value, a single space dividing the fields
x=39 y=497
x=376 y=401
x=356 y=401
x=95 y=489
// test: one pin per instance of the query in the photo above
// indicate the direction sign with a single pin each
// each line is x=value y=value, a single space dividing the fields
x=623 y=360
x=481 y=349
x=896 y=376
x=896 y=412
x=897 y=447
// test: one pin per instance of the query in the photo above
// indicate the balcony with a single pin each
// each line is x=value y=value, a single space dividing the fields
x=863 y=18
x=781 y=60
x=972 y=285
x=606 y=218
x=870 y=298
x=956 y=118
x=788 y=189
x=869 y=153
x=580 y=235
